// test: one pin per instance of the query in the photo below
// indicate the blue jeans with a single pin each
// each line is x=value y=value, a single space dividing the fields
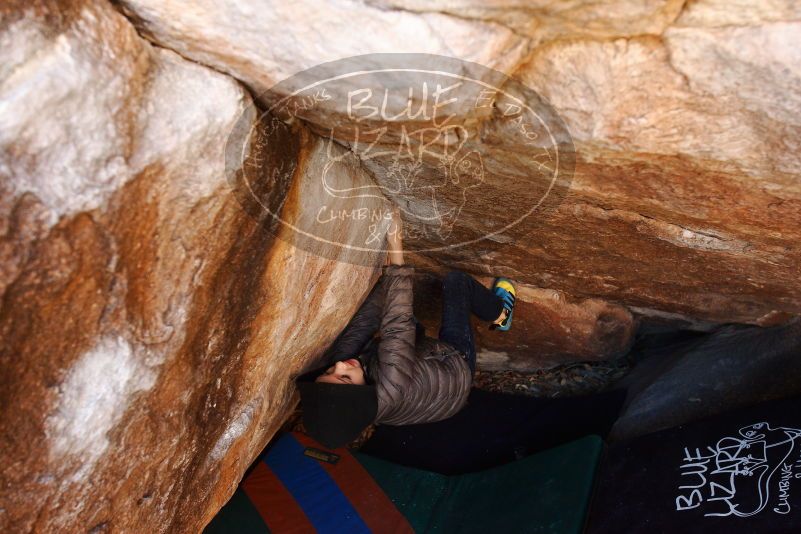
x=461 y=295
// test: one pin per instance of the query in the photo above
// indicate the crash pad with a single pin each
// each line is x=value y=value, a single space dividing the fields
x=298 y=486
x=680 y=380
x=543 y=493
x=735 y=472
x=290 y=489
x=494 y=429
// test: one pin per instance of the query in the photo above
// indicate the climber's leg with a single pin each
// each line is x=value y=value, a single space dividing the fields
x=461 y=295
x=504 y=288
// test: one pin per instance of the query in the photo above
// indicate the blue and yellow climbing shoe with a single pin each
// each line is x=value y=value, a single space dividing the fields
x=503 y=288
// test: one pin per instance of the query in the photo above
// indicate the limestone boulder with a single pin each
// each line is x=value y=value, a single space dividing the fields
x=150 y=324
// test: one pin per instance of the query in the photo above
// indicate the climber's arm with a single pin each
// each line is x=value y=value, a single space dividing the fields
x=396 y=352
x=397 y=360
x=361 y=328
x=367 y=320
x=394 y=241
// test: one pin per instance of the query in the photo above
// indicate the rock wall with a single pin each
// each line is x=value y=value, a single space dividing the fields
x=549 y=328
x=150 y=326
x=152 y=318
x=685 y=117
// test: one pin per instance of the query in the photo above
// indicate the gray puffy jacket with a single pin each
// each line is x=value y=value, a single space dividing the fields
x=418 y=379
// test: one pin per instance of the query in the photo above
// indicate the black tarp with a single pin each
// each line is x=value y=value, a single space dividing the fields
x=494 y=429
x=681 y=377
x=737 y=472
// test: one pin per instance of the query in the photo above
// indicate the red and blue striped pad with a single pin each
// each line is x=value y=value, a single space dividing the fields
x=294 y=493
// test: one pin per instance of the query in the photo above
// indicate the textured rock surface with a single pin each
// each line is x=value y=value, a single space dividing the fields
x=149 y=326
x=686 y=119
x=548 y=328
x=264 y=42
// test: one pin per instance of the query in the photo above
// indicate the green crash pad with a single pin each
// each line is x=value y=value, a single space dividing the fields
x=288 y=491
x=548 y=492
x=238 y=516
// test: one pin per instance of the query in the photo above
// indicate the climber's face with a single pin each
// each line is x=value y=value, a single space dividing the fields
x=344 y=372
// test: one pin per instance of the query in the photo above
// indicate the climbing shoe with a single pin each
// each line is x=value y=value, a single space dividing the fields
x=503 y=288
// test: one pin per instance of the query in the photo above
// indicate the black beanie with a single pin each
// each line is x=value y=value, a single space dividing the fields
x=335 y=414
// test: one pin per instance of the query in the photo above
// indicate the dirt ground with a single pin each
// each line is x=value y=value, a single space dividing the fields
x=562 y=381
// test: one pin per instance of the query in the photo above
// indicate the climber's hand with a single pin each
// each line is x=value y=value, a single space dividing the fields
x=395 y=239
x=395 y=230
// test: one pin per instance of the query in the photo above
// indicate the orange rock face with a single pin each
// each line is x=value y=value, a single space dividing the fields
x=685 y=118
x=150 y=326
x=548 y=328
x=170 y=260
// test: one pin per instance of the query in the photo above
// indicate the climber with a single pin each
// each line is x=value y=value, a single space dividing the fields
x=404 y=377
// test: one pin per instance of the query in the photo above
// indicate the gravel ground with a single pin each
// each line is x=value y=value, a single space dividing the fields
x=562 y=381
